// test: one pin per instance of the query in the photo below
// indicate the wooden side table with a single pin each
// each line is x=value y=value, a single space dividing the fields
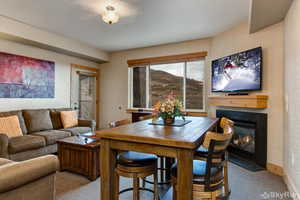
x=80 y=155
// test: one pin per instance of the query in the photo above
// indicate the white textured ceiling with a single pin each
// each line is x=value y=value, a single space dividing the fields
x=143 y=22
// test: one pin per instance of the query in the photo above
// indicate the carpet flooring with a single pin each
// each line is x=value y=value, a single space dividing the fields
x=245 y=185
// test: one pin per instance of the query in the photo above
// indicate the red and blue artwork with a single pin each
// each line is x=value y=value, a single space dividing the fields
x=24 y=77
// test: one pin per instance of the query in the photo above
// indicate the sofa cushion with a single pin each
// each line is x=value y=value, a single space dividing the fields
x=37 y=120
x=78 y=130
x=52 y=136
x=55 y=117
x=10 y=126
x=24 y=143
x=69 y=119
x=20 y=116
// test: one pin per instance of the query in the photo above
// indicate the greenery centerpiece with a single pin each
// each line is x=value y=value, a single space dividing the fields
x=168 y=109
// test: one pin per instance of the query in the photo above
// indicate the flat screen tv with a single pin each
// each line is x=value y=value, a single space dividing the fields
x=239 y=72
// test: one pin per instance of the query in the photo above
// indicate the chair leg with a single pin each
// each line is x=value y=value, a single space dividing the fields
x=214 y=195
x=226 y=182
x=143 y=183
x=168 y=168
x=136 y=187
x=161 y=167
x=155 y=197
x=117 y=181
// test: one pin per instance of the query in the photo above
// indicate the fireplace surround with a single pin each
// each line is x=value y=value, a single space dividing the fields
x=249 y=142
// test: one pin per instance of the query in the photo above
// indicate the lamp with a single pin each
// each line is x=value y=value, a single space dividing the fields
x=110 y=16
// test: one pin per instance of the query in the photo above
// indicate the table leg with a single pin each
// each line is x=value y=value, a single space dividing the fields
x=107 y=168
x=185 y=174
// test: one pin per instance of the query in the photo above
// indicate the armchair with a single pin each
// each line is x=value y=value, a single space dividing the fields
x=30 y=179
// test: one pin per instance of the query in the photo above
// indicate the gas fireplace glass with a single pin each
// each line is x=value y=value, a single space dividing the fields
x=244 y=137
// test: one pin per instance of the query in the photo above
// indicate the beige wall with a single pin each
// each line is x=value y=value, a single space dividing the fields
x=114 y=80
x=292 y=96
x=62 y=77
x=114 y=75
x=271 y=40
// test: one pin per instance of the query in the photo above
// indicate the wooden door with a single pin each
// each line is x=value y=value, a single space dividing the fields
x=85 y=92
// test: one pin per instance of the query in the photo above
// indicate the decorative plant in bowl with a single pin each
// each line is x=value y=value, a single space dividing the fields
x=168 y=109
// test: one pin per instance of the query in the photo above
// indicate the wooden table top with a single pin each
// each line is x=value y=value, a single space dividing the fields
x=188 y=136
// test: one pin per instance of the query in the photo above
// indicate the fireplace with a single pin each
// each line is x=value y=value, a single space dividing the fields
x=249 y=142
x=244 y=137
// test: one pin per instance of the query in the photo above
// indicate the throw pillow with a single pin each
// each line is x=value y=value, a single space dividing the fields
x=69 y=119
x=20 y=116
x=55 y=117
x=10 y=126
x=37 y=120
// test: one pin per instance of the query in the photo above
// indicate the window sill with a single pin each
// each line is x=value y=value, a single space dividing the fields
x=188 y=113
x=196 y=114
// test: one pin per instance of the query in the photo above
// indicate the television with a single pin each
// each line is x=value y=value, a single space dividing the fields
x=238 y=72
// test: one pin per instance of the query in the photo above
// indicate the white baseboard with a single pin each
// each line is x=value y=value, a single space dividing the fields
x=291 y=186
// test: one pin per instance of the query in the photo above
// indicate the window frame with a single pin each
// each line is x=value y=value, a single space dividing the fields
x=130 y=86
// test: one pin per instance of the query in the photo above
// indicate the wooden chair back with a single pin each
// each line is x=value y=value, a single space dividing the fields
x=226 y=122
x=217 y=144
x=222 y=140
x=119 y=123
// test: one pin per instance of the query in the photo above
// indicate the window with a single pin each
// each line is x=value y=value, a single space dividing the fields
x=152 y=82
x=194 y=90
x=165 y=78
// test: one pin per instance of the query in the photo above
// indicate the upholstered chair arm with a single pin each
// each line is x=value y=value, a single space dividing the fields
x=88 y=123
x=3 y=145
x=14 y=175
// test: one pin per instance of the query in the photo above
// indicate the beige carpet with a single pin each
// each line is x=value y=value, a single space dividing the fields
x=245 y=185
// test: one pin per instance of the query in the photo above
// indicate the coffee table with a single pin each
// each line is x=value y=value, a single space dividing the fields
x=80 y=155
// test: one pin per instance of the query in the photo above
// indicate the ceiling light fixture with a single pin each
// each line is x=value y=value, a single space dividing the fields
x=110 y=16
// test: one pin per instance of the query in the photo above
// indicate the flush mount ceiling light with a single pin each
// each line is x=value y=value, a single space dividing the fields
x=110 y=16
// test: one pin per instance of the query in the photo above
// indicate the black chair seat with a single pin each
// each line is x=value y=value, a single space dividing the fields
x=199 y=168
x=136 y=159
x=203 y=152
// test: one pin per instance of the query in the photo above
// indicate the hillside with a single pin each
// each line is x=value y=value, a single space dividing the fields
x=162 y=83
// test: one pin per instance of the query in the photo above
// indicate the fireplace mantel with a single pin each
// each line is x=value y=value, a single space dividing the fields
x=247 y=101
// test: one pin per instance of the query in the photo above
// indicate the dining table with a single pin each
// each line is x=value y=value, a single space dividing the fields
x=179 y=142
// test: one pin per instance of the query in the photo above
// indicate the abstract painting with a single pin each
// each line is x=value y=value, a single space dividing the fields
x=24 y=77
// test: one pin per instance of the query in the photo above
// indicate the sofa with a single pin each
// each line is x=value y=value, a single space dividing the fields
x=28 y=180
x=41 y=129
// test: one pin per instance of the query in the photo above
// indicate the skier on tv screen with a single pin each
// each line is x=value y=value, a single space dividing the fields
x=227 y=68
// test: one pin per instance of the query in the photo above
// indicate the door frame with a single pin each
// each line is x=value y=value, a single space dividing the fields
x=94 y=70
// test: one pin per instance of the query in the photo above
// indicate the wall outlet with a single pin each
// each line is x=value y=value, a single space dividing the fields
x=286 y=101
x=292 y=159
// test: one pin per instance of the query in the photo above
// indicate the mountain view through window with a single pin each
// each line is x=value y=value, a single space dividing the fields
x=153 y=83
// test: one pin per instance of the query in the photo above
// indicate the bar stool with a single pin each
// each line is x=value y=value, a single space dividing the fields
x=164 y=162
x=135 y=165
x=202 y=152
x=208 y=175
